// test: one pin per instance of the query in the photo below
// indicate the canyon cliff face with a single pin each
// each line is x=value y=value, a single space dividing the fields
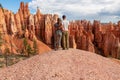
x=97 y=37
x=14 y=28
x=101 y=38
x=83 y=36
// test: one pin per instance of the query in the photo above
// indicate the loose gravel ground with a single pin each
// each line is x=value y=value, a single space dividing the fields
x=69 y=64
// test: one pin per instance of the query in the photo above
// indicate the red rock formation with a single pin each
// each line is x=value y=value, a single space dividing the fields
x=115 y=48
x=20 y=11
x=72 y=42
x=82 y=30
x=3 y=28
x=12 y=25
x=90 y=45
x=38 y=22
x=84 y=35
x=18 y=24
x=21 y=25
x=24 y=14
x=49 y=27
x=83 y=42
x=107 y=44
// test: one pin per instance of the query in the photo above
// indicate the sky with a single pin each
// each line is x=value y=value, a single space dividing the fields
x=103 y=10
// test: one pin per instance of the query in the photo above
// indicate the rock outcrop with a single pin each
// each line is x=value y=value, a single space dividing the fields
x=15 y=27
x=3 y=28
x=83 y=35
x=106 y=38
x=49 y=25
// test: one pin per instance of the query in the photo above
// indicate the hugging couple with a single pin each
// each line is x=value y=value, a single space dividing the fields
x=61 y=36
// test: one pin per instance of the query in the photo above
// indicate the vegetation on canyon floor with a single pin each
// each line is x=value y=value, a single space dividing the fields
x=8 y=58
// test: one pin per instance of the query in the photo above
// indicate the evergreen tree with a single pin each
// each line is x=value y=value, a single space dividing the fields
x=29 y=50
x=25 y=43
x=6 y=52
x=1 y=42
x=35 y=46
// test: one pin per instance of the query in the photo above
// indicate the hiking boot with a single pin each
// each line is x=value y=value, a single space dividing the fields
x=55 y=49
x=64 y=48
x=60 y=48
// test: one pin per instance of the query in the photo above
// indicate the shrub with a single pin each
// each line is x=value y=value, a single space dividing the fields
x=6 y=52
x=35 y=47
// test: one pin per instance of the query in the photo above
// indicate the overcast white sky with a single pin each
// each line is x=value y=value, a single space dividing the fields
x=104 y=10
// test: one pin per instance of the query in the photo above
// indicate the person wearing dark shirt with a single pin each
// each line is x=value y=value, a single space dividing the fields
x=58 y=34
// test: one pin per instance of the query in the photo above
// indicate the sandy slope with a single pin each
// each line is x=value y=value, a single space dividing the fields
x=69 y=64
x=42 y=48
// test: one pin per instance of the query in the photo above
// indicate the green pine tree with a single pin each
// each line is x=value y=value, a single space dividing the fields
x=25 y=43
x=35 y=47
x=6 y=52
x=1 y=41
x=29 y=50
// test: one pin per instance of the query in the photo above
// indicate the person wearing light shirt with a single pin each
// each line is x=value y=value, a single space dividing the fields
x=65 y=36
